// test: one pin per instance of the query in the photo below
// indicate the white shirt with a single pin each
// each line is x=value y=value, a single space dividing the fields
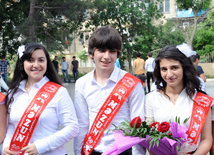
x=212 y=110
x=162 y=109
x=158 y=106
x=49 y=140
x=90 y=96
x=202 y=84
x=64 y=65
x=150 y=64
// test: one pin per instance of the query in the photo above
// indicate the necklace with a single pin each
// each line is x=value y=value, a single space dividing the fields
x=172 y=98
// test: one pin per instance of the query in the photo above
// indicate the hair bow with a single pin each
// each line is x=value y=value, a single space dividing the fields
x=186 y=50
x=21 y=50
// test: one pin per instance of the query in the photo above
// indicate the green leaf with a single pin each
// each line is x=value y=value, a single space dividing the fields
x=176 y=119
x=127 y=122
x=179 y=120
x=177 y=148
x=124 y=123
x=186 y=120
x=157 y=143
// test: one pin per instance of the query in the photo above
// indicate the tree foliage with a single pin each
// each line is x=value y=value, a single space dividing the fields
x=130 y=18
x=168 y=34
x=203 y=41
x=196 y=6
x=48 y=21
x=11 y=15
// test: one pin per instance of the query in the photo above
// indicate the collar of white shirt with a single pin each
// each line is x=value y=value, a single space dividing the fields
x=37 y=85
x=113 y=77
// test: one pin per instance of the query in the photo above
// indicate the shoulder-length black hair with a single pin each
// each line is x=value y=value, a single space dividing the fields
x=20 y=74
x=190 y=79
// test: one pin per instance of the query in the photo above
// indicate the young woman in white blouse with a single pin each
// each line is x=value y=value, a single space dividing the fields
x=176 y=95
x=33 y=70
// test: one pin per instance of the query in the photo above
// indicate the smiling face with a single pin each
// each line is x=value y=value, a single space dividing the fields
x=36 y=66
x=171 y=72
x=104 y=60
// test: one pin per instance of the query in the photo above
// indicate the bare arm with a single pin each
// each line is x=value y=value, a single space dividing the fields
x=3 y=122
x=8 y=68
x=212 y=149
x=206 y=139
x=134 y=65
x=203 y=77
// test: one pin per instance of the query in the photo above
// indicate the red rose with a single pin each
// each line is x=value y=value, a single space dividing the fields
x=170 y=134
x=138 y=122
x=164 y=127
x=154 y=124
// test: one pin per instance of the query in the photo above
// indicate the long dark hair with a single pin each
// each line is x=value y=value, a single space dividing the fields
x=190 y=79
x=20 y=74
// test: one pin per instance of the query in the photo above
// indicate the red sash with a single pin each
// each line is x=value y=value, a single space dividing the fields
x=200 y=111
x=2 y=97
x=29 y=119
x=108 y=110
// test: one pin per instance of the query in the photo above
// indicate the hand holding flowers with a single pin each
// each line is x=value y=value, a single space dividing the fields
x=159 y=137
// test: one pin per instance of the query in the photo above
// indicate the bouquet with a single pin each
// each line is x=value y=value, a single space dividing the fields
x=158 y=137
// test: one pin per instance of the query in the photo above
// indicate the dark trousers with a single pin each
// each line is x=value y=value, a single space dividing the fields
x=75 y=74
x=127 y=152
x=149 y=75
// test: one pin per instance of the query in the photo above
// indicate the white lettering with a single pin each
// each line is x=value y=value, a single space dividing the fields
x=199 y=111
x=119 y=96
x=99 y=124
x=41 y=100
x=44 y=95
x=190 y=140
x=23 y=129
x=112 y=104
x=20 y=137
x=107 y=111
x=35 y=107
x=199 y=117
x=95 y=131
x=193 y=134
x=196 y=126
x=103 y=117
x=27 y=122
x=121 y=91
x=31 y=115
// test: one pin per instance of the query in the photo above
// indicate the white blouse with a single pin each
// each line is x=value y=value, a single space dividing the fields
x=49 y=140
x=162 y=109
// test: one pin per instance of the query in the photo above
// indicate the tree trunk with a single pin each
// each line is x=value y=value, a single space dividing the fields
x=130 y=59
x=32 y=33
x=195 y=28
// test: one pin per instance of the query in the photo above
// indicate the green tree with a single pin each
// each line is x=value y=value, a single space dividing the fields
x=196 y=6
x=203 y=41
x=82 y=55
x=11 y=15
x=168 y=34
x=48 y=21
x=130 y=18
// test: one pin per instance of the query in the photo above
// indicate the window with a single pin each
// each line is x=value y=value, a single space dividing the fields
x=185 y=24
x=164 y=6
x=83 y=37
x=82 y=63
